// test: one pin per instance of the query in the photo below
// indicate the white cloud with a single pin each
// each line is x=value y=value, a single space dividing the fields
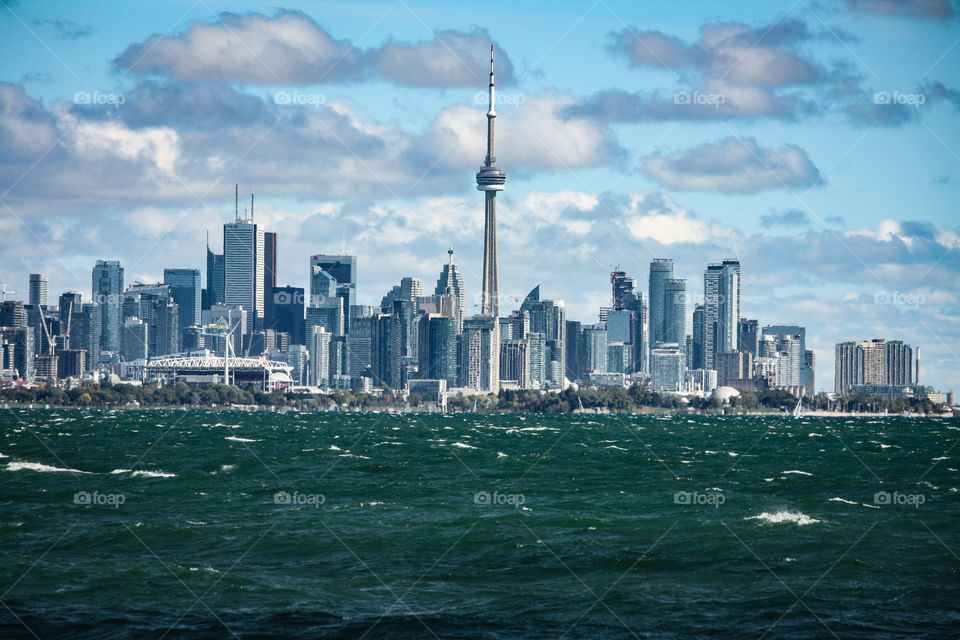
x=733 y=165
x=290 y=48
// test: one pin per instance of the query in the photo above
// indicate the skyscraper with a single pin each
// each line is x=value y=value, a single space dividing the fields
x=699 y=338
x=622 y=288
x=874 y=362
x=108 y=294
x=39 y=284
x=214 y=288
x=675 y=312
x=269 y=260
x=490 y=179
x=286 y=304
x=661 y=270
x=342 y=270
x=749 y=336
x=243 y=268
x=799 y=371
x=480 y=354
x=185 y=291
x=437 y=347
x=69 y=307
x=451 y=284
x=721 y=292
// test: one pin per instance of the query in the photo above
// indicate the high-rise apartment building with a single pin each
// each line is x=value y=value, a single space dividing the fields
x=661 y=270
x=39 y=284
x=107 y=292
x=873 y=362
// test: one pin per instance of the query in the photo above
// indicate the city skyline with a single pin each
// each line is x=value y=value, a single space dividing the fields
x=877 y=275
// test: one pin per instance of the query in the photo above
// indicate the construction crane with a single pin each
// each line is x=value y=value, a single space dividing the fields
x=51 y=343
x=66 y=337
x=4 y=291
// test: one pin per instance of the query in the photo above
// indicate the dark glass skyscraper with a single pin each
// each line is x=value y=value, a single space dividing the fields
x=661 y=270
x=343 y=269
x=675 y=312
x=108 y=294
x=214 y=278
x=186 y=292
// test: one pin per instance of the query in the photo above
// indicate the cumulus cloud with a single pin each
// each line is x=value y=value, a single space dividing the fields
x=733 y=165
x=534 y=136
x=290 y=48
x=737 y=72
x=183 y=142
x=926 y=9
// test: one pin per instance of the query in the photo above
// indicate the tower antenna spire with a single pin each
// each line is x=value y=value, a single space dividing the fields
x=490 y=179
x=236 y=202
x=251 y=203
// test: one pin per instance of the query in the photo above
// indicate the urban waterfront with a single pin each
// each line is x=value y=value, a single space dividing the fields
x=206 y=524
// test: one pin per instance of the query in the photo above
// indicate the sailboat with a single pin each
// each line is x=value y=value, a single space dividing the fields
x=798 y=410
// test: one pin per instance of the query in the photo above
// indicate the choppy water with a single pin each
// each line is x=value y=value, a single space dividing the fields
x=203 y=524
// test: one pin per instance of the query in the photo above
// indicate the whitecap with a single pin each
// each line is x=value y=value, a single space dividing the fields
x=794 y=472
x=42 y=468
x=501 y=455
x=239 y=439
x=781 y=516
x=841 y=500
x=613 y=446
x=462 y=445
x=143 y=473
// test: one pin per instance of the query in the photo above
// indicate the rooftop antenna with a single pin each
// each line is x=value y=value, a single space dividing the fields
x=251 y=203
x=236 y=203
x=343 y=241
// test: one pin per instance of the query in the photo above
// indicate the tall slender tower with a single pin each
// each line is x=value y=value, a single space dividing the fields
x=490 y=179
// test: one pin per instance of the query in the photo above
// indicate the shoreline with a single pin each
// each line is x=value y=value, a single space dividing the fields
x=593 y=412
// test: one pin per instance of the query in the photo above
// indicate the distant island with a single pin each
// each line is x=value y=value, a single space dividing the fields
x=633 y=400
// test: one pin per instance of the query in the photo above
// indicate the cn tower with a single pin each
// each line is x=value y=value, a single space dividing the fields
x=490 y=179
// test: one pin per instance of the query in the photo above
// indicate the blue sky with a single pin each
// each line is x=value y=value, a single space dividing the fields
x=825 y=153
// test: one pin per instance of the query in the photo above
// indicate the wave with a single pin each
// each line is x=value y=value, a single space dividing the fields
x=781 y=516
x=463 y=445
x=794 y=472
x=239 y=439
x=841 y=500
x=40 y=468
x=143 y=473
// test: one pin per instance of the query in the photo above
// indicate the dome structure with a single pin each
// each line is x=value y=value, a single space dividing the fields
x=725 y=394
